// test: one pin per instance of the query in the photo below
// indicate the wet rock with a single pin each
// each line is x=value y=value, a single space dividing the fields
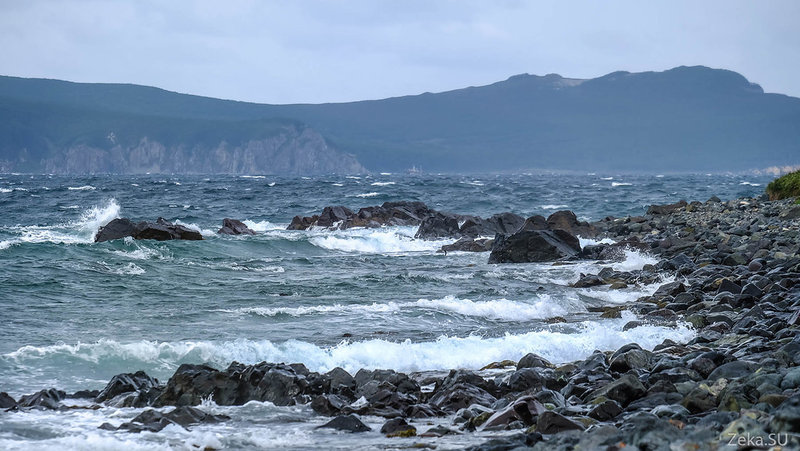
x=398 y=427
x=163 y=230
x=438 y=225
x=630 y=357
x=605 y=411
x=550 y=422
x=114 y=230
x=126 y=383
x=525 y=410
x=469 y=245
x=48 y=399
x=624 y=390
x=154 y=421
x=787 y=416
x=732 y=370
x=234 y=227
x=328 y=404
x=669 y=289
x=566 y=220
x=349 y=423
x=532 y=360
x=535 y=222
x=6 y=401
x=534 y=246
x=438 y=431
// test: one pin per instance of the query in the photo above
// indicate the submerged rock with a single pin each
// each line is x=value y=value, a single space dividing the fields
x=161 y=230
x=153 y=421
x=349 y=423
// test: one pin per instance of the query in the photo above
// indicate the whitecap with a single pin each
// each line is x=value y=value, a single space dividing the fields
x=196 y=228
x=253 y=176
x=337 y=184
x=750 y=184
x=262 y=226
x=384 y=240
x=353 y=177
x=81 y=188
x=373 y=194
x=5 y=190
x=621 y=184
x=386 y=173
x=552 y=206
x=382 y=183
x=606 y=178
x=499 y=309
x=271 y=184
x=471 y=352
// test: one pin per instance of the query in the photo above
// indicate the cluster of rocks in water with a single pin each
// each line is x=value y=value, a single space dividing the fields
x=737 y=382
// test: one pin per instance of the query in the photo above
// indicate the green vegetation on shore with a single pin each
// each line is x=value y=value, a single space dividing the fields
x=785 y=186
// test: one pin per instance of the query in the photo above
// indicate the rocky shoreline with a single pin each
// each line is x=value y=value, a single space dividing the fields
x=737 y=382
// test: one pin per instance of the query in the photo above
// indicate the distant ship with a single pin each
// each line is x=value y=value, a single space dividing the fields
x=414 y=170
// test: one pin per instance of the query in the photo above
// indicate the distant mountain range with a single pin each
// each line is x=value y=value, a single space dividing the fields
x=683 y=119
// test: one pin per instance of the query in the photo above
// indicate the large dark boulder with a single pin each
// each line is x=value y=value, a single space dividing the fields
x=438 y=225
x=114 y=230
x=6 y=401
x=535 y=222
x=566 y=220
x=48 y=399
x=234 y=227
x=534 y=246
x=126 y=383
x=191 y=383
x=335 y=217
x=302 y=222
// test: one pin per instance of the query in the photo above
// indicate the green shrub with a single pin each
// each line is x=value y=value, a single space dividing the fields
x=784 y=187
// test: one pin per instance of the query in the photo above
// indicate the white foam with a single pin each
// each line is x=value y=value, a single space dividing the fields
x=621 y=184
x=634 y=260
x=271 y=184
x=337 y=184
x=263 y=226
x=131 y=269
x=592 y=242
x=382 y=183
x=5 y=190
x=750 y=184
x=552 y=207
x=372 y=194
x=390 y=307
x=384 y=240
x=353 y=177
x=386 y=173
x=446 y=352
x=606 y=178
x=253 y=176
x=81 y=230
x=500 y=309
x=81 y=188
x=196 y=228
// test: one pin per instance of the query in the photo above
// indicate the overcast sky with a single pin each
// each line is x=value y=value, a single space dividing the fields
x=327 y=51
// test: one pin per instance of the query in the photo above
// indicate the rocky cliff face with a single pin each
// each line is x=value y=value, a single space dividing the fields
x=293 y=150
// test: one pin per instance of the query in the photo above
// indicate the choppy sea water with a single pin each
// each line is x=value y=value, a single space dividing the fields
x=75 y=313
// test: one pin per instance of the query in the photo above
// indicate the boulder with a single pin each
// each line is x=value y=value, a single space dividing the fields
x=469 y=245
x=234 y=227
x=335 y=217
x=349 y=423
x=126 y=383
x=398 y=427
x=624 y=390
x=566 y=220
x=534 y=246
x=535 y=222
x=438 y=225
x=550 y=422
x=6 y=401
x=163 y=230
x=48 y=399
x=114 y=230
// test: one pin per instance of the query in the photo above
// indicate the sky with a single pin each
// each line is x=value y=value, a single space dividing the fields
x=310 y=51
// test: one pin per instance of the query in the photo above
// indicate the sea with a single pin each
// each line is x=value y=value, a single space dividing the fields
x=75 y=313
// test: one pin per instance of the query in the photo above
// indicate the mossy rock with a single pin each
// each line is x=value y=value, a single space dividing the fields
x=405 y=433
x=784 y=187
